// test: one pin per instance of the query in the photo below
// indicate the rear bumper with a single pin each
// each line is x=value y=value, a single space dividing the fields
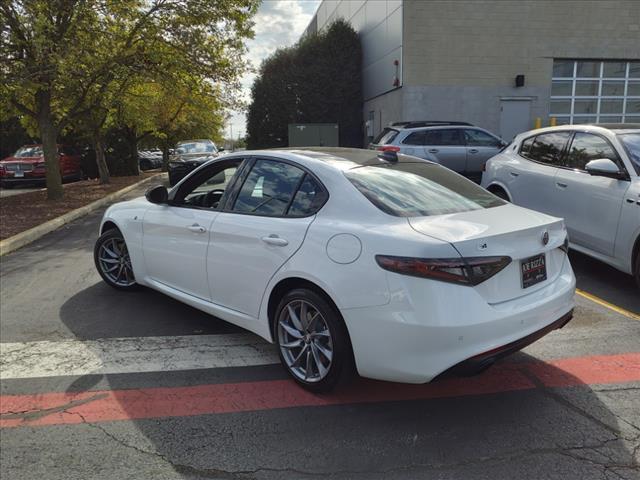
x=481 y=362
x=419 y=335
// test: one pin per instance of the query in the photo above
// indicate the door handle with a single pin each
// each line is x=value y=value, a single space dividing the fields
x=561 y=184
x=514 y=174
x=275 y=240
x=195 y=228
x=473 y=150
x=433 y=150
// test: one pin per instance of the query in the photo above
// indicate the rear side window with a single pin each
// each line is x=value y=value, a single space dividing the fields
x=548 y=148
x=308 y=199
x=586 y=147
x=386 y=136
x=445 y=137
x=419 y=189
x=268 y=189
x=415 y=138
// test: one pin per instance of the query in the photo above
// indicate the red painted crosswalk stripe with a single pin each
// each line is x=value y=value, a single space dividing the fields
x=55 y=408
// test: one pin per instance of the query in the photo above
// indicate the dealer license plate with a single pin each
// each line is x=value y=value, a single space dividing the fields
x=533 y=270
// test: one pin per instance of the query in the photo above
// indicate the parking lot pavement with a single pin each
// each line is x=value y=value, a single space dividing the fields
x=104 y=384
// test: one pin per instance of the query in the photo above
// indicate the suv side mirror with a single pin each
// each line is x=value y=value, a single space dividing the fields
x=604 y=167
x=157 y=194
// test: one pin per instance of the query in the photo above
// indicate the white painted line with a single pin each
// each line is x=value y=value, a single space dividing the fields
x=132 y=355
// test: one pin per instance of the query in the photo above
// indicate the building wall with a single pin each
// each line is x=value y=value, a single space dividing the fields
x=379 y=23
x=461 y=57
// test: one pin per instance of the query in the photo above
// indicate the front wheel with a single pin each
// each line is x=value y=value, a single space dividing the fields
x=313 y=341
x=113 y=262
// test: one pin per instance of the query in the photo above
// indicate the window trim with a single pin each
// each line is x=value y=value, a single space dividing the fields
x=230 y=204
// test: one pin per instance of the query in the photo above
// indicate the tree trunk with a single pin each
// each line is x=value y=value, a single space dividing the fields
x=165 y=157
x=132 y=167
x=98 y=146
x=49 y=136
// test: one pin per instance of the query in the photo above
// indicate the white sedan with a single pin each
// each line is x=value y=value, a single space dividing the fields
x=587 y=174
x=344 y=256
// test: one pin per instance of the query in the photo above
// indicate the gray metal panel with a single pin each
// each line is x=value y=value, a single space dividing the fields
x=313 y=134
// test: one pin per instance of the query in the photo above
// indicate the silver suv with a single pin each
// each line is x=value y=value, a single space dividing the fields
x=458 y=146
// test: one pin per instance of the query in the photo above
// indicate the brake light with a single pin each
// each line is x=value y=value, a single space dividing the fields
x=388 y=148
x=465 y=271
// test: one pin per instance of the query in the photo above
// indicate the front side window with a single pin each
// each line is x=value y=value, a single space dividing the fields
x=478 y=138
x=548 y=147
x=586 y=147
x=631 y=143
x=445 y=137
x=419 y=189
x=206 y=188
x=269 y=188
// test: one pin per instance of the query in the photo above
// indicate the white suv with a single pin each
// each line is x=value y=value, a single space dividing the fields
x=587 y=174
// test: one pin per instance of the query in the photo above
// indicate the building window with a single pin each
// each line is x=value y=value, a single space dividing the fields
x=588 y=91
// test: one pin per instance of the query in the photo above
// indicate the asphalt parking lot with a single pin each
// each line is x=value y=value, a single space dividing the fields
x=103 y=384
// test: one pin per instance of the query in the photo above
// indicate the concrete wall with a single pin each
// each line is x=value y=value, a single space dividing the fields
x=461 y=57
x=379 y=23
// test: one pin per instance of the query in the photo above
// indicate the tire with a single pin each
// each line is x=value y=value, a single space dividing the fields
x=636 y=270
x=500 y=193
x=110 y=252
x=328 y=360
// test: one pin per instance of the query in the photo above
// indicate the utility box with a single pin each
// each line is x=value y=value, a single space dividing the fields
x=313 y=135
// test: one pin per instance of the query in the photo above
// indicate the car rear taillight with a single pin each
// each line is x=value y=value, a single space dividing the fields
x=388 y=148
x=464 y=271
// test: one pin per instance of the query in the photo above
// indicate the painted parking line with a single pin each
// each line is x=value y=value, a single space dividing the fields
x=608 y=305
x=133 y=355
x=60 y=408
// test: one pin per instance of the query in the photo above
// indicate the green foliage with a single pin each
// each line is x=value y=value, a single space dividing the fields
x=317 y=81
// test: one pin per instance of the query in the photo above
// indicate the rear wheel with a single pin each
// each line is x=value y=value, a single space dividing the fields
x=313 y=341
x=499 y=192
x=113 y=262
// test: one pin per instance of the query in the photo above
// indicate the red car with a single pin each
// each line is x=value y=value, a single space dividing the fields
x=27 y=165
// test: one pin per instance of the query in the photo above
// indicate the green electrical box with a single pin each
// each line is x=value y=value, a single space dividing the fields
x=313 y=135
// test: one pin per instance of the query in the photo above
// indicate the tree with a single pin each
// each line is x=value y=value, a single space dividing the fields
x=60 y=56
x=317 y=81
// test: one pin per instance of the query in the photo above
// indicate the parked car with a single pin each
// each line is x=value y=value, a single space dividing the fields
x=458 y=146
x=341 y=254
x=27 y=165
x=188 y=156
x=149 y=159
x=587 y=174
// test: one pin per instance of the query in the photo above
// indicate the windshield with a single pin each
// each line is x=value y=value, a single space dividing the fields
x=28 y=152
x=631 y=142
x=419 y=189
x=196 y=147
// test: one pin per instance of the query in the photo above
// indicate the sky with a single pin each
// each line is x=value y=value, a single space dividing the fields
x=278 y=23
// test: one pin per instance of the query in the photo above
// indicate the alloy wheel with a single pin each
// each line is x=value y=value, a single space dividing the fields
x=115 y=262
x=305 y=341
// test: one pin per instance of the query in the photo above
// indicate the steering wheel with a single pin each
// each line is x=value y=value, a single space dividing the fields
x=209 y=199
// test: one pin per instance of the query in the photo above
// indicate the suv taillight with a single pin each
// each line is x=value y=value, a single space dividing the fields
x=388 y=148
x=465 y=271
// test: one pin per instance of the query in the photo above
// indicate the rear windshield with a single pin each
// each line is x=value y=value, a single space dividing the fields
x=419 y=189
x=385 y=136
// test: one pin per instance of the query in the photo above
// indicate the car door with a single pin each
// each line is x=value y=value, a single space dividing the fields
x=445 y=146
x=590 y=204
x=481 y=146
x=530 y=180
x=176 y=235
x=263 y=227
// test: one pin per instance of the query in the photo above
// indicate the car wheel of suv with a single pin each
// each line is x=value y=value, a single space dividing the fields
x=113 y=262
x=313 y=341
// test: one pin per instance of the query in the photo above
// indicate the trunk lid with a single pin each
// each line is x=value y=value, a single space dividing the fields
x=507 y=230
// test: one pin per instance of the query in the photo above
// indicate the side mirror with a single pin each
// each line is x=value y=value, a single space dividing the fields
x=157 y=194
x=604 y=167
x=221 y=149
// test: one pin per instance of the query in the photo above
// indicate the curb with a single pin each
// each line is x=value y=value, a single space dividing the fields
x=21 y=239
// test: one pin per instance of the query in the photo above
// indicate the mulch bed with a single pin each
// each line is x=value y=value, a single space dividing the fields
x=27 y=210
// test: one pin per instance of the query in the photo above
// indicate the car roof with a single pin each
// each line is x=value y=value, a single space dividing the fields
x=196 y=140
x=427 y=123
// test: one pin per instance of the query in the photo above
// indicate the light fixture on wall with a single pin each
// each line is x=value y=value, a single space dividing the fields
x=396 y=80
x=520 y=80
